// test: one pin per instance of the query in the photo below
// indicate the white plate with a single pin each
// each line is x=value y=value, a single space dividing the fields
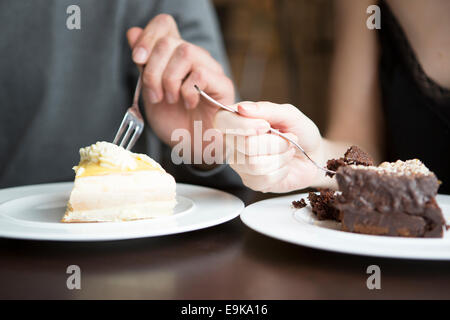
x=34 y=212
x=277 y=218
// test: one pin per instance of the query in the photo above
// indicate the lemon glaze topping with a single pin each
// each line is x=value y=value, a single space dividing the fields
x=104 y=157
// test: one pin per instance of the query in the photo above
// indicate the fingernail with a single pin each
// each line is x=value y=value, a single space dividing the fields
x=140 y=55
x=170 y=98
x=247 y=107
x=153 y=97
x=187 y=105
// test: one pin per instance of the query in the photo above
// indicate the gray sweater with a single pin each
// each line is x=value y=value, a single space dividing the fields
x=63 y=89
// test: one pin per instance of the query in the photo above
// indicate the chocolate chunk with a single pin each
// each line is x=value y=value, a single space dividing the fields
x=354 y=155
x=333 y=165
x=299 y=204
x=323 y=205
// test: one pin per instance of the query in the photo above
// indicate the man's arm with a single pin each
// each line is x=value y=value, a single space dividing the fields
x=182 y=46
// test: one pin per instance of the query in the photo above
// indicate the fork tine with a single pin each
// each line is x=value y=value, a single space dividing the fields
x=122 y=127
x=127 y=134
x=137 y=133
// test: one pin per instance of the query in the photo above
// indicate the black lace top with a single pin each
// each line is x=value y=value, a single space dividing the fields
x=416 y=109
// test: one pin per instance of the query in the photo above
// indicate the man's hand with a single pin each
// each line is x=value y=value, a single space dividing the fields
x=171 y=67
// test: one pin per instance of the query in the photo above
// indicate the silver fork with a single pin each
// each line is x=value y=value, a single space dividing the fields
x=217 y=103
x=132 y=120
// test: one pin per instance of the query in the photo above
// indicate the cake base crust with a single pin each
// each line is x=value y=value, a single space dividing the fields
x=395 y=223
x=154 y=209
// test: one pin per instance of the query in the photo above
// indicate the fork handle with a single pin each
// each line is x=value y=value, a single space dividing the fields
x=137 y=92
x=282 y=135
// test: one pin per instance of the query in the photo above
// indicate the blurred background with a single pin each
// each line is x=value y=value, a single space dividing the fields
x=280 y=51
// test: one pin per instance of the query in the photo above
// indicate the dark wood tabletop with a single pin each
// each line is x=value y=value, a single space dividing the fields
x=229 y=261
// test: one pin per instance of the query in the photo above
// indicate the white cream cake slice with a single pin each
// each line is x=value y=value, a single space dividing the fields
x=113 y=184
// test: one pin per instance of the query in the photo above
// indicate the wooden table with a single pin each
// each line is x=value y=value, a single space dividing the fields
x=229 y=261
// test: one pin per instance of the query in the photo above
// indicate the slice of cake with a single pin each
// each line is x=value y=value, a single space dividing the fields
x=113 y=184
x=394 y=199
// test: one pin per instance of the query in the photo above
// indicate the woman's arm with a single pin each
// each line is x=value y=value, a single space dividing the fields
x=355 y=111
x=354 y=99
x=270 y=164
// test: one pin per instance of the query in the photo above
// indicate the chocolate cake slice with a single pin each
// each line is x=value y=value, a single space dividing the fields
x=394 y=199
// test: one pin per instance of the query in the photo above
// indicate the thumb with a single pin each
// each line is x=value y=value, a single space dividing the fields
x=133 y=35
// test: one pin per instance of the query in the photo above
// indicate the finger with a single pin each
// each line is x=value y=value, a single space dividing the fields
x=233 y=124
x=262 y=165
x=157 y=62
x=183 y=60
x=284 y=117
x=263 y=182
x=216 y=84
x=301 y=174
x=254 y=145
x=161 y=26
x=277 y=114
x=133 y=35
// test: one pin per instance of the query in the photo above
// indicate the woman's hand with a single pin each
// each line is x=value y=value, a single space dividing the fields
x=265 y=161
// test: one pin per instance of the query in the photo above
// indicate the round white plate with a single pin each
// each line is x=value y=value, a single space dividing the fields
x=277 y=218
x=34 y=212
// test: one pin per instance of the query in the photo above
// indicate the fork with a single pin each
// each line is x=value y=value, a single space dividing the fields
x=282 y=135
x=132 y=120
